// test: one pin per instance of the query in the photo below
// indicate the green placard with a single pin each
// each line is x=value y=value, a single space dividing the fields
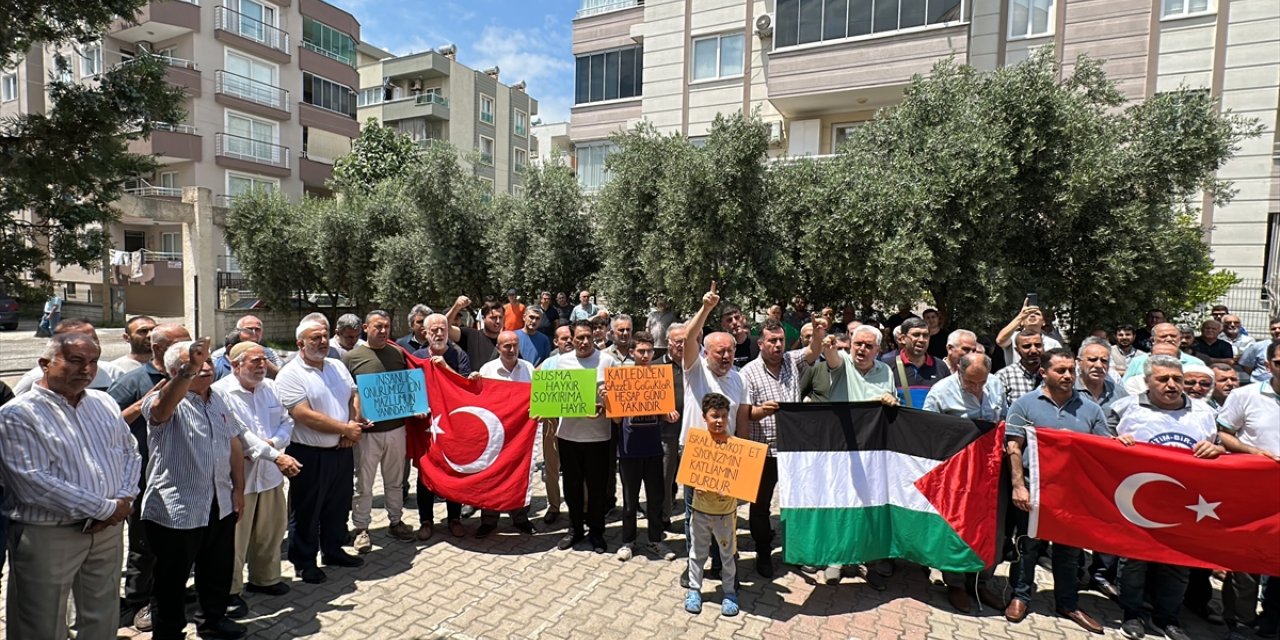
x=563 y=393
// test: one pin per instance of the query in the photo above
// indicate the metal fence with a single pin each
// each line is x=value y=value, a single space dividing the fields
x=1254 y=301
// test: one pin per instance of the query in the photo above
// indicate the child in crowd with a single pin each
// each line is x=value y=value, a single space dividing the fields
x=714 y=517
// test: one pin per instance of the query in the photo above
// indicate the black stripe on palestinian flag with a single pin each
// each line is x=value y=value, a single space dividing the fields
x=871 y=426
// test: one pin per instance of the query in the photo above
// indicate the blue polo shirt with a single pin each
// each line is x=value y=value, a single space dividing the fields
x=1037 y=409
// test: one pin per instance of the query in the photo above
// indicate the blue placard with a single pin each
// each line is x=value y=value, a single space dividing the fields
x=917 y=396
x=391 y=395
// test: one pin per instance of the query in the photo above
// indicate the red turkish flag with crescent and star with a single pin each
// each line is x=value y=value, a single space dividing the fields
x=477 y=445
x=1155 y=503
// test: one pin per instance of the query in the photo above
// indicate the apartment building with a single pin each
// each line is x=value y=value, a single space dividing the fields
x=433 y=98
x=554 y=142
x=818 y=68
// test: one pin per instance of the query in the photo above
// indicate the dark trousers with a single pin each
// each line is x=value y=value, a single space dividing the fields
x=1271 y=599
x=1199 y=590
x=211 y=550
x=1104 y=567
x=427 y=505
x=140 y=563
x=646 y=472
x=758 y=513
x=321 y=499
x=614 y=471
x=585 y=467
x=670 y=465
x=1066 y=568
x=1165 y=585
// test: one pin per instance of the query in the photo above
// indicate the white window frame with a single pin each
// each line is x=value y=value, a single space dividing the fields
x=256 y=179
x=962 y=19
x=517 y=191
x=492 y=104
x=267 y=7
x=719 y=38
x=1029 y=35
x=515 y=159
x=521 y=129
x=1210 y=7
x=91 y=60
x=166 y=247
x=228 y=52
x=9 y=87
x=275 y=133
x=493 y=148
x=168 y=179
x=835 y=130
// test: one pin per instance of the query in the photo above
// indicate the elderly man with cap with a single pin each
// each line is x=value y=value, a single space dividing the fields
x=252 y=399
x=70 y=467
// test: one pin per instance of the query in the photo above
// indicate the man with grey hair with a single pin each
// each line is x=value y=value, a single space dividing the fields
x=1164 y=415
x=959 y=343
x=417 y=336
x=1093 y=359
x=1209 y=346
x=70 y=469
x=320 y=396
x=128 y=392
x=107 y=373
x=677 y=337
x=620 y=350
x=346 y=334
x=383 y=444
x=250 y=328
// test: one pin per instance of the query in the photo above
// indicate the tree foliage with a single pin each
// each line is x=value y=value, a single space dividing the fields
x=543 y=241
x=377 y=154
x=267 y=234
x=60 y=171
x=31 y=22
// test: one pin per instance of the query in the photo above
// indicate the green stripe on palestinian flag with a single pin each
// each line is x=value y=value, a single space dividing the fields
x=861 y=482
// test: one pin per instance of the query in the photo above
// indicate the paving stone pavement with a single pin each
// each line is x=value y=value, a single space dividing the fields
x=512 y=586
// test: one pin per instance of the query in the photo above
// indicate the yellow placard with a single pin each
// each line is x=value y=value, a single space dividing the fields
x=731 y=469
x=639 y=391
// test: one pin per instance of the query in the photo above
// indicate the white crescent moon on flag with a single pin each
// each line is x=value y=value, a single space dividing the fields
x=1129 y=488
x=497 y=437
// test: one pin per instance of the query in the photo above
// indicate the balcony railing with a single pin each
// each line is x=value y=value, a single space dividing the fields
x=250 y=29
x=247 y=88
x=486 y=159
x=224 y=200
x=241 y=148
x=162 y=126
x=431 y=98
x=143 y=189
x=595 y=7
x=486 y=118
x=329 y=54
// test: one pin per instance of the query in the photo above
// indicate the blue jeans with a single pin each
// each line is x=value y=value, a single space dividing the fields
x=1066 y=564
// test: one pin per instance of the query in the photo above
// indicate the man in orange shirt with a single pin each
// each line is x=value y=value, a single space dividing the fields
x=512 y=312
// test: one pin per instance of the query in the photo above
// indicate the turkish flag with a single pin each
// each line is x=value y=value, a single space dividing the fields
x=1155 y=503
x=477 y=446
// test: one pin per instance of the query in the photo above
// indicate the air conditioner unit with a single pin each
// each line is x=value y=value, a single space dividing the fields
x=775 y=133
x=764 y=25
x=415 y=86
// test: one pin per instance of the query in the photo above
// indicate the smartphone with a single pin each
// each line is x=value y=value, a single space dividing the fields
x=1033 y=300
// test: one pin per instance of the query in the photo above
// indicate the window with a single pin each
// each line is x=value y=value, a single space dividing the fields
x=1030 y=18
x=1177 y=8
x=328 y=94
x=240 y=184
x=327 y=41
x=717 y=57
x=807 y=21
x=522 y=123
x=521 y=160
x=517 y=191
x=252 y=80
x=370 y=96
x=169 y=180
x=256 y=20
x=9 y=87
x=486 y=109
x=252 y=139
x=486 y=189
x=590 y=165
x=171 y=242
x=486 y=150
x=612 y=75
x=840 y=133
x=91 y=60
x=419 y=129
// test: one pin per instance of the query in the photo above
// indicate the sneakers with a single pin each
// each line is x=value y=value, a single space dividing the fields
x=401 y=531
x=831 y=575
x=142 y=619
x=362 y=544
x=525 y=527
x=624 y=552
x=1174 y=632
x=729 y=606
x=485 y=529
x=425 y=532
x=223 y=629
x=693 y=602
x=468 y=511
x=569 y=540
x=237 y=608
x=663 y=551
x=1133 y=629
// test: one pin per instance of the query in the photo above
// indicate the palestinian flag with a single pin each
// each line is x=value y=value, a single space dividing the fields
x=860 y=482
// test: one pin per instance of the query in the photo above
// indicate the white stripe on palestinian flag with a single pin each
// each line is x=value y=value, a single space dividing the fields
x=851 y=479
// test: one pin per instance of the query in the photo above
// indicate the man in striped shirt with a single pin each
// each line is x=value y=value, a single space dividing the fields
x=71 y=468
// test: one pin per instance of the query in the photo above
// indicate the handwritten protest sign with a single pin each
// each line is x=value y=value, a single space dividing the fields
x=731 y=469
x=563 y=393
x=639 y=391
x=391 y=395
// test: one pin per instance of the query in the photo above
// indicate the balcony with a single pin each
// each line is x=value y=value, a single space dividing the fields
x=314 y=170
x=251 y=35
x=169 y=143
x=588 y=8
x=423 y=106
x=486 y=159
x=326 y=66
x=486 y=118
x=183 y=73
x=310 y=115
x=157 y=269
x=157 y=21
x=247 y=154
x=143 y=189
x=246 y=94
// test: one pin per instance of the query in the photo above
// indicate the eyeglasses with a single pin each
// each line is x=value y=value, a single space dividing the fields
x=1203 y=384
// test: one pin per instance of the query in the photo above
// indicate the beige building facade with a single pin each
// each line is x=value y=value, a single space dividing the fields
x=433 y=98
x=817 y=68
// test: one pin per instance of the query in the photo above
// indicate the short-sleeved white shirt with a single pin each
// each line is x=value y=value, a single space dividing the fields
x=523 y=372
x=698 y=382
x=583 y=429
x=1183 y=427
x=327 y=390
x=1252 y=414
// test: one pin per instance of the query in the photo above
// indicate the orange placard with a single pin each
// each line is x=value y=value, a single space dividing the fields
x=731 y=469
x=639 y=391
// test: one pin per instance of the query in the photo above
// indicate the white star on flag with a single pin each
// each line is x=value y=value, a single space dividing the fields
x=1205 y=509
x=436 y=431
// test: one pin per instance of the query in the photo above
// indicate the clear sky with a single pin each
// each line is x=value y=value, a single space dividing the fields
x=529 y=40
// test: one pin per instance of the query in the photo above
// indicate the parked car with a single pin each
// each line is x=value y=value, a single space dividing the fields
x=8 y=312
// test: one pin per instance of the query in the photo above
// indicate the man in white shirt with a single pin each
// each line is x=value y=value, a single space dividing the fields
x=510 y=367
x=107 y=373
x=70 y=467
x=252 y=399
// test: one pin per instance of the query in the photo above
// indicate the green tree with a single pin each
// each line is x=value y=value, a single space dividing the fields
x=543 y=241
x=377 y=154
x=61 y=171
x=29 y=23
x=267 y=235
